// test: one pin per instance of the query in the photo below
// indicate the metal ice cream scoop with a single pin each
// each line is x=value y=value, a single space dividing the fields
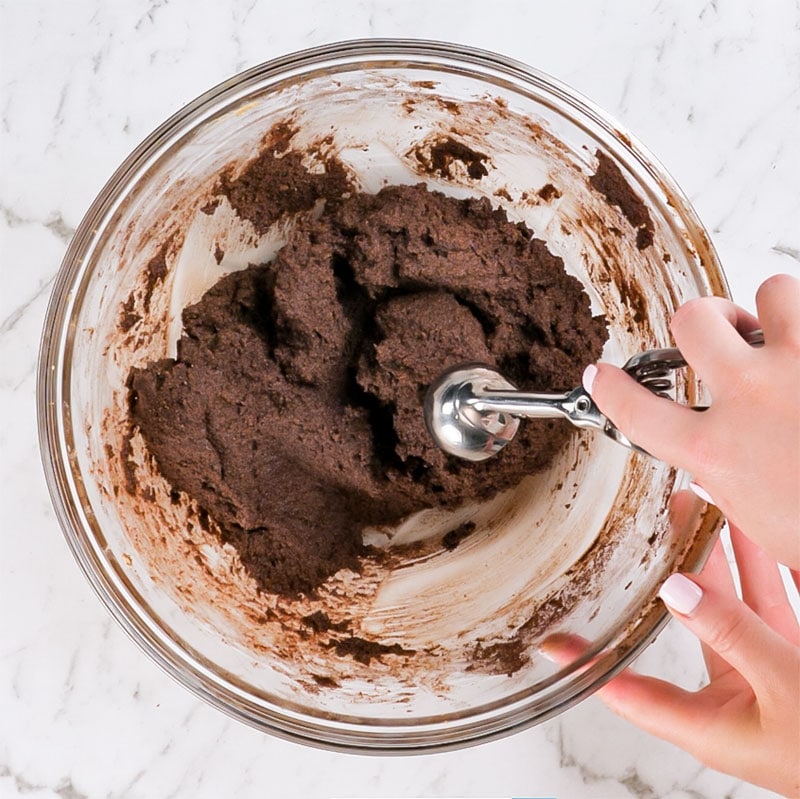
x=472 y=411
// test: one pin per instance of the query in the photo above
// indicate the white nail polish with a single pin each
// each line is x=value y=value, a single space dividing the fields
x=701 y=492
x=589 y=374
x=681 y=594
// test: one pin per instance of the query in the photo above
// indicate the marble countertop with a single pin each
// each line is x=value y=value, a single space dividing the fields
x=713 y=89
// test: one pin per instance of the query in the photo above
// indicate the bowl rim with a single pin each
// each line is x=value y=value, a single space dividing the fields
x=54 y=418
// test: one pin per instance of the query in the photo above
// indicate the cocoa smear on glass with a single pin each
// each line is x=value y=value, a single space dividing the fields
x=293 y=412
x=610 y=182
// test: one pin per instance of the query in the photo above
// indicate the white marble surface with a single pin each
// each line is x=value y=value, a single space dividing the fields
x=712 y=88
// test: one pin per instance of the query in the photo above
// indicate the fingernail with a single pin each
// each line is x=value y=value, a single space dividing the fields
x=547 y=654
x=681 y=594
x=589 y=374
x=701 y=492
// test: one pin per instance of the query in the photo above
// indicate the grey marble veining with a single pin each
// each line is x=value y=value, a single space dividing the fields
x=712 y=89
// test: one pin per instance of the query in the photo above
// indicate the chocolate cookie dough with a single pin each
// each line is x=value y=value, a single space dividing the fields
x=610 y=182
x=293 y=412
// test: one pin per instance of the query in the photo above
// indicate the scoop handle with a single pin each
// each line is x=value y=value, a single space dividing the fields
x=576 y=406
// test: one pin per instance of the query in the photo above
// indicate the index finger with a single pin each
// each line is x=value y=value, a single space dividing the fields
x=663 y=428
x=716 y=572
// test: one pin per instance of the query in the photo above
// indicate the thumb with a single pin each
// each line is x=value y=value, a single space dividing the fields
x=726 y=625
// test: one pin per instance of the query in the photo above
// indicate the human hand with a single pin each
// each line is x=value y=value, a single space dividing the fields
x=744 y=451
x=746 y=721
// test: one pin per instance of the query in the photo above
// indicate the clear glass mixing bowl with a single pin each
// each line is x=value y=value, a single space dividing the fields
x=579 y=550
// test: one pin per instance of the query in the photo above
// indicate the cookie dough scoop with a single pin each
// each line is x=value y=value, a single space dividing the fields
x=472 y=411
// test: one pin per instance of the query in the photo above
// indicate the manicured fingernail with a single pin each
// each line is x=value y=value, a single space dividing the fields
x=681 y=594
x=547 y=654
x=589 y=374
x=702 y=493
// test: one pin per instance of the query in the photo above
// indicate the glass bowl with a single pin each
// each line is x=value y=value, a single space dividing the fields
x=578 y=550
